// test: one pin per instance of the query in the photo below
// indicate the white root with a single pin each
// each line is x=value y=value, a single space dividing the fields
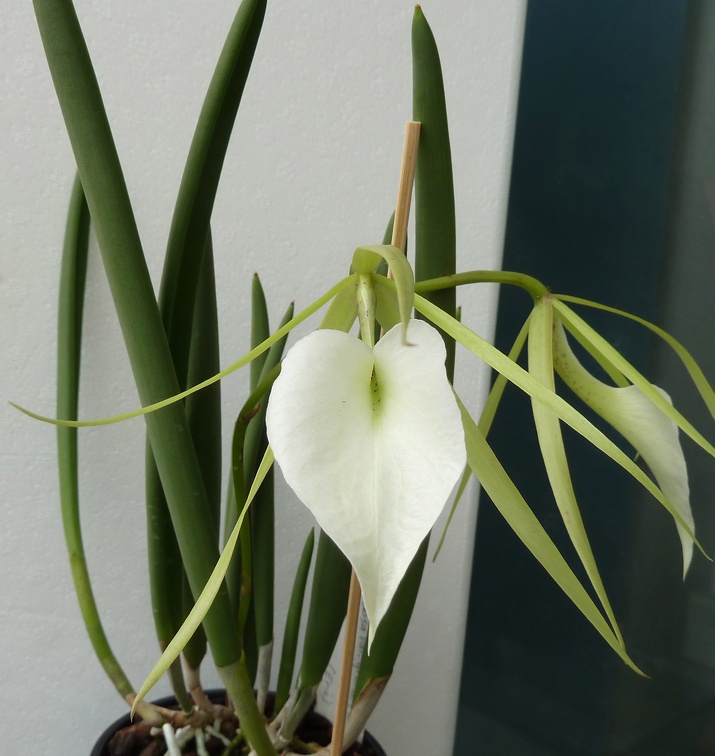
x=172 y=747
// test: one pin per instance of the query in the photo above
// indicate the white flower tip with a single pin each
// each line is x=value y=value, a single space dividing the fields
x=371 y=630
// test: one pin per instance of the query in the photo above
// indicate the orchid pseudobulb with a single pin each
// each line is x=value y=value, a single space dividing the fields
x=372 y=443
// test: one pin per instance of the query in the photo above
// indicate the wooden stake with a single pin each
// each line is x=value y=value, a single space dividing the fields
x=346 y=665
x=404 y=189
x=399 y=237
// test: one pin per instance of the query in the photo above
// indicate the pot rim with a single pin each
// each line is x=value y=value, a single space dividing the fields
x=100 y=747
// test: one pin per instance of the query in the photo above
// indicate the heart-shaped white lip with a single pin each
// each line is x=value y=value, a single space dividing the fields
x=371 y=441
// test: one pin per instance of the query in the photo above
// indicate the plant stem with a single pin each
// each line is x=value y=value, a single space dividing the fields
x=528 y=283
x=239 y=688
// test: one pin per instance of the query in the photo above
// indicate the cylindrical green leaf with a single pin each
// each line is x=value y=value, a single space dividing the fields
x=262 y=513
x=171 y=600
x=255 y=442
x=134 y=300
x=435 y=229
x=292 y=628
x=263 y=549
x=69 y=345
x=204 y=414
x=241 y=566
x=191 y=320
x=328 y=604
x=380 y=662
x=166 y=569
x=260 y=328
x=194 y=204
x=203 y=409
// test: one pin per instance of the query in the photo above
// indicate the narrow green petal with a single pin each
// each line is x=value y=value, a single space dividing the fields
x=562 y=409
x=698 y=377
x=497 y=391
x=649 y=430
x=577 y=325
x=553 y=452
x=523 y=522
x=232 y=368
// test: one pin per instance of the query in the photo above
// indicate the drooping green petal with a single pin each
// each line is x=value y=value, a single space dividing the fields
x=649 y=430
x=497 y=390
x=371 y=441
x=605 y=352
x=696 y=374
x=553 y=451
x=562 y=409
x=512 y=506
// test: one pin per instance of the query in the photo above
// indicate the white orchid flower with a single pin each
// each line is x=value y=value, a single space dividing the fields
x=372 y=443
x=646 y=427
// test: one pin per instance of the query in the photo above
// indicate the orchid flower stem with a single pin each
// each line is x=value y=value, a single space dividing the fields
x=528 y=283
x=366 y=309
x=341 y=704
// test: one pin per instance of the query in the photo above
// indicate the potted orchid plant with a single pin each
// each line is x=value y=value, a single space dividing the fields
x=360 y=416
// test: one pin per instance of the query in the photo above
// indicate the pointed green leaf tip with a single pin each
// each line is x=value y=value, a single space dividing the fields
x=372 y=443
x=648 y=429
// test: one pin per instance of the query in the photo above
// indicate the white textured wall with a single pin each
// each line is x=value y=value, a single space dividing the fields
x=311 y=175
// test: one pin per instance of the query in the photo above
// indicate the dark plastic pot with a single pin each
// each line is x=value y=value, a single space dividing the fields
x=101 y=746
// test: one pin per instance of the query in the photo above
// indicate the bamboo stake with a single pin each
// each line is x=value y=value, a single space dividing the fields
x=346 y=665
x=404 y=189
x=399 y=237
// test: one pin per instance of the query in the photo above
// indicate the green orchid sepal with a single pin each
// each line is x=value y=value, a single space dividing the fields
x=535 y=389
